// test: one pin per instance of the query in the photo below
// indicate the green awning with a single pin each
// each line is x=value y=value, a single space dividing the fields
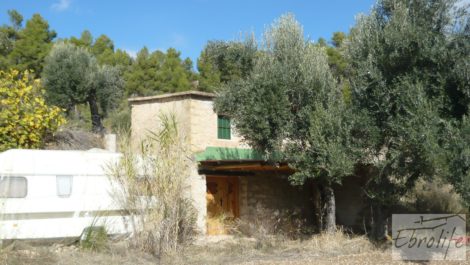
x=225 y=153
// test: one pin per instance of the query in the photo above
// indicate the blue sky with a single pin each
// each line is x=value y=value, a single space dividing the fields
x=185 y=25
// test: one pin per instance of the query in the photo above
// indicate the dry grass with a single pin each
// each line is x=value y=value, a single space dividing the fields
x=321 y=249
x=269 y=222
x=241 y=250
x=70 y=255
x=73 y=139
x=339 y=248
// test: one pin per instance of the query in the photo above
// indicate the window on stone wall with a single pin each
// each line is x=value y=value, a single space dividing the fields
x=223 y=127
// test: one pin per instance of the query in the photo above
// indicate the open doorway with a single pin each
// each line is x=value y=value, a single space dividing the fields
x=222 y=203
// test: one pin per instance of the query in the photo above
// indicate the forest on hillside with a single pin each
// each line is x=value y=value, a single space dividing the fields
x=91 y=79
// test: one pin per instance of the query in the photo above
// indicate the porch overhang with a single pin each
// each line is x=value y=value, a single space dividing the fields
x=230 y=154
x=238 y=162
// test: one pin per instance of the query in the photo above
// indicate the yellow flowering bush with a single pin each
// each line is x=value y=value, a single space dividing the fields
x=25 y=118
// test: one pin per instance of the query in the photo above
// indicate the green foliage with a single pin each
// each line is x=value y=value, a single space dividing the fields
x=174 y=74
x=141 y=79
x=221 y=62
x=16 y=19
x=338 y=39
x=119 y=121
x=69 y=75
x=102 y=43
x=33 y=45
x=399 y=55
x=79 y=118
x=336 y=58
x=158 y=72
x=322 y=42
x=121 y=59
x=109 y=88
x=94 y=238
x=338 y=63
x=85 y=40
x=425 y=39
x=73 y=76
x=457 y=63
x=209 y=77
x=25 y=119
x=458 y=139
x=103 y=49
x=290 y=104
x=8 y=35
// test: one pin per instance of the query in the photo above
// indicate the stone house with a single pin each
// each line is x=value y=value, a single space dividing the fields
x=228 y=178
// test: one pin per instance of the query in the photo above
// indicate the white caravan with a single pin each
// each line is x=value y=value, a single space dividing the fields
x=47 y=194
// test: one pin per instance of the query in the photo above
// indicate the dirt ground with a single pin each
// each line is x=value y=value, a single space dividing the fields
x=320 y=249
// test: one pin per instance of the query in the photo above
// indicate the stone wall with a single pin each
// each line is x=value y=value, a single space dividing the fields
x=195 y=115
x=204 y=127
x=277 y=194
x=273 y=193
x=145 y=117
x=196 y=187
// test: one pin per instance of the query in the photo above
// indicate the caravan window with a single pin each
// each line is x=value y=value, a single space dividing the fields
x=13 y=187
x=64 y=186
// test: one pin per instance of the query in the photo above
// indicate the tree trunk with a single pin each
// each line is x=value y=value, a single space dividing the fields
x=97 y=127
x=330 y=222
x=76 y=112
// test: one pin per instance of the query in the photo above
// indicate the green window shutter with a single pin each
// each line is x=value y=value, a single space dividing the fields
x=219 y=127
x=223 y=127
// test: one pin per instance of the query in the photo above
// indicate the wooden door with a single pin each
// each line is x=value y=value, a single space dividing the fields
x=222 y=203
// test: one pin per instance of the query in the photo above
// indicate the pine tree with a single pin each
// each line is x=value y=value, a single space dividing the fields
x=221 y=62
x=33 y=45
x=173 y=74
x=8 y=36
x=158 y=72
x=141 y=78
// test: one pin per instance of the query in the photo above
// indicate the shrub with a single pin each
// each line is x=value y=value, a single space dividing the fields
x=94 y=238
x=119 y=120
x=434 y=197
x=25 y=119
x=150 y=184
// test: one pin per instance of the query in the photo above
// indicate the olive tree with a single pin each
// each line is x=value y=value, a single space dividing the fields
x=290 y=108
x=73 y=76
x=402 y=59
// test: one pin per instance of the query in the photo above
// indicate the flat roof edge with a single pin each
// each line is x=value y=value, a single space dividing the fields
x=190 y=93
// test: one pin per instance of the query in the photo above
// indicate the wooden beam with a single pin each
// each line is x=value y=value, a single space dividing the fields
x=224 y=173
